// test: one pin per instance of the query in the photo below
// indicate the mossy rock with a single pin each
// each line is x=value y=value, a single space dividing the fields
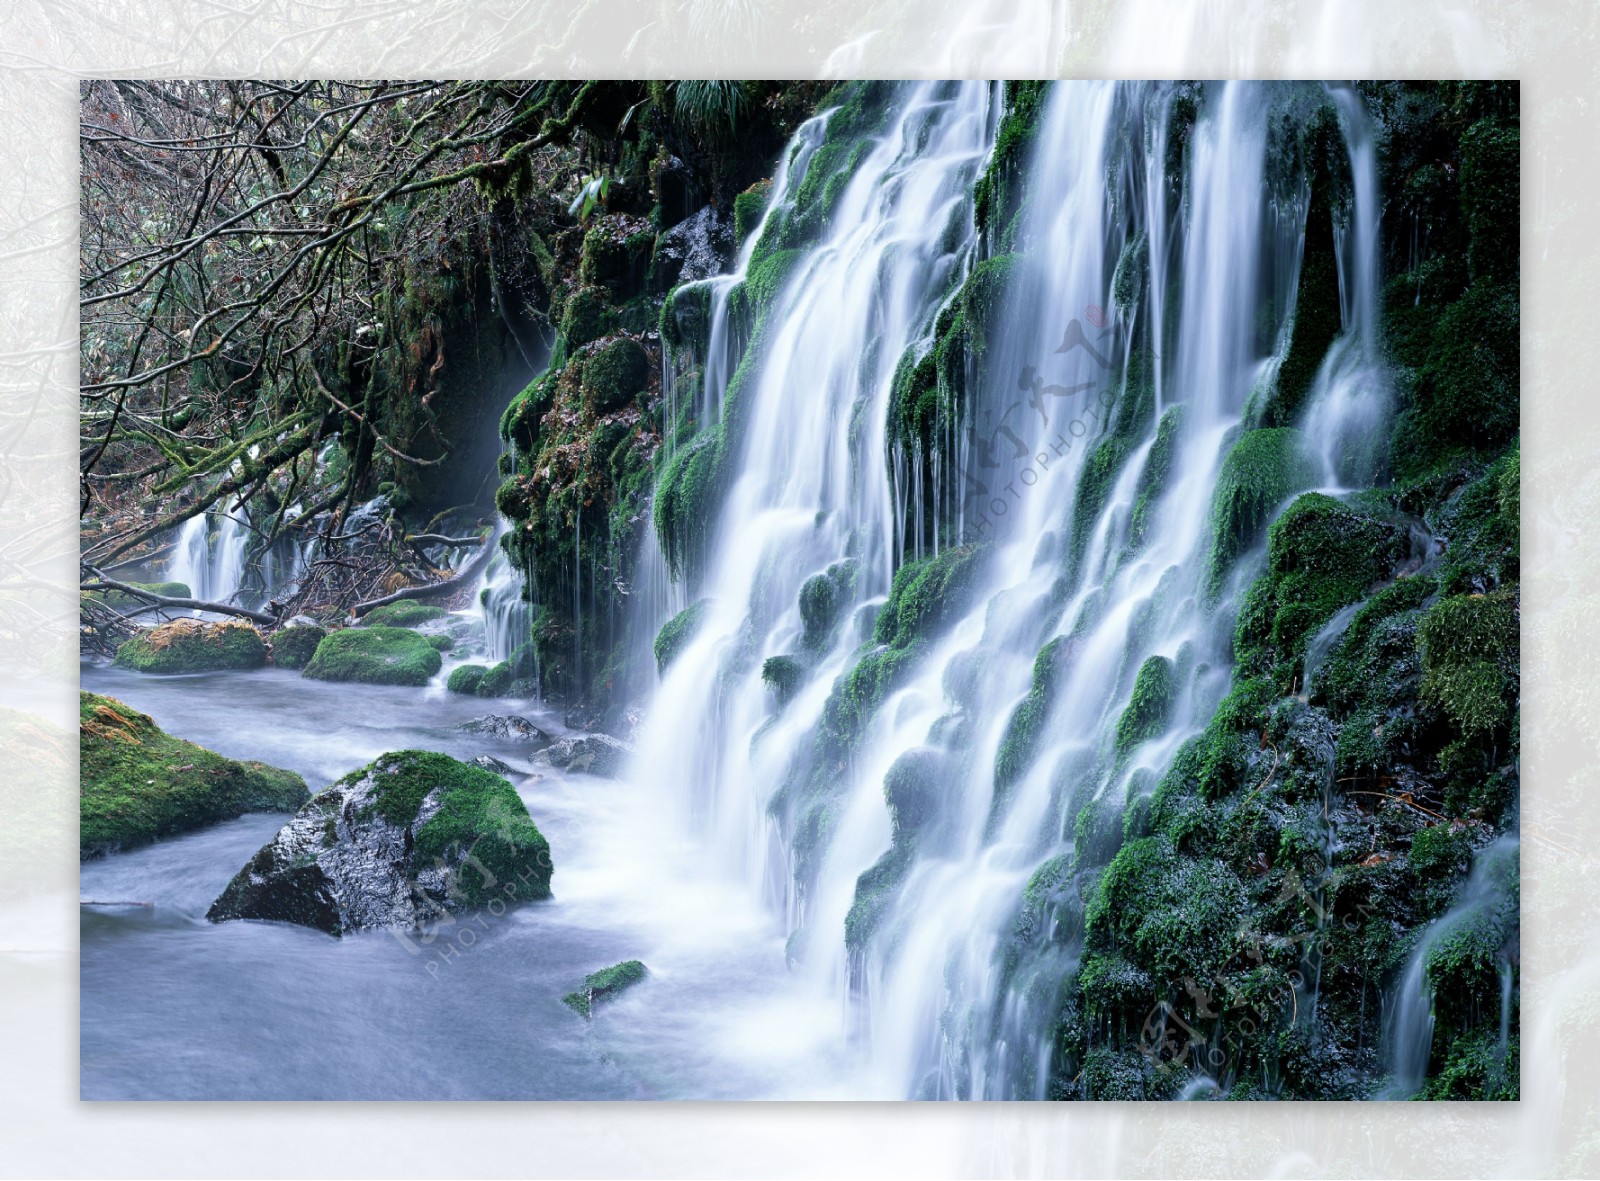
x=293 y=647
x=587 y=316
x=1150 y=706
x=1470 y=660
x=375 y=656
x=605 y=985
x=677 y=632
x=192 y=645
x=497 y=680
x=614 y=374
x=138 y=784
x=465 y=679
x=748 y=207
x=399 y=843
x=783 y=675
x=1263 y=468
x=406 y=613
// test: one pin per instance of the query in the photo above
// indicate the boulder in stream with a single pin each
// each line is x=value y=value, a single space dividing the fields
x=194 y=646
x=375 y=656
x=510 y=726
x=139 y=784
x=404 y=841
x=295 y=645
x=597 y=754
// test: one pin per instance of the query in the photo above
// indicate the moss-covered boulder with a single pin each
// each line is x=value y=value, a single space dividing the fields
x=1261 y=471
x=293 y=647
x=605 y=985
x=138 y=784
x=613 y=374
x=375 y=656
x=1146 y=714
x=465 y=679
x=194 y=646
x=407 y=839
x=406 y=613
x=677 y=632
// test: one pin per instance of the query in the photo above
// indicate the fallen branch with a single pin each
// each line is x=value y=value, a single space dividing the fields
x=127 y=588
x=466 y=574
x=441 y=539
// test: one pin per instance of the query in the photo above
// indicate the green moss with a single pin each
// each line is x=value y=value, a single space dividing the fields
x=496 y=680
x=875 y=890
x=440 y=642
x=1262 y=468
x=1027 y=721
x=927 y=595
x=190 y=645
x=823 y=598
x=406 y=613
x=1155 y=475
x=686 y=319
x=1491 y=196
x=605 y=985
x=375 y=656
x=686 y=499
x=586 y=316
x=1322 y=555
x=999 y=193
x=614 y=374
x=1470 y=655
x=466 y=679
x=138 y=784
x=293 y=647
x=783 y=675
x=748 y=207
x=677 y=632
x=1147 y=711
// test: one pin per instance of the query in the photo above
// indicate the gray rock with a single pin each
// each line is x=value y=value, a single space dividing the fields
x=510 y=726
x=362 y=854
x=490 y=763
x=696 y=248
x=597 y=754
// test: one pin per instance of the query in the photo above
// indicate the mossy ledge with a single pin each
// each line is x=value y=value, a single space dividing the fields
x=605 y=985
x=138 y=784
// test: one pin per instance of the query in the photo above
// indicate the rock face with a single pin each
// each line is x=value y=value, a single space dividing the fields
x=598 y=754
x=507 y=726
x=404 y=841
x=193 y=646
x=697 y=247
x=139 y=784
x=375 y=656
x=605 y=985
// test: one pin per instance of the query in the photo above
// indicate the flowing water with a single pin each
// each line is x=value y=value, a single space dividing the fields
x=698 y=861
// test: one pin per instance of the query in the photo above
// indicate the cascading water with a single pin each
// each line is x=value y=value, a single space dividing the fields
x=903 y=908
x=209 y=555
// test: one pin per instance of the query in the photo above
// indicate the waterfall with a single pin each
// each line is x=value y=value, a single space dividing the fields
x=1074 y=498
x=209 y=555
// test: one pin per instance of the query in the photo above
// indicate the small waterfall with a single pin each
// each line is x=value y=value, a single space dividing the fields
x=209 y=555
x=1484 y=914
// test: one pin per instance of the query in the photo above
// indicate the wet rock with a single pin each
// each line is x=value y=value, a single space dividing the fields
x=605 y=985
x=492 y=764
x=404 y=841
x=695 y=248
x=596 y=754
x=510 y=726
x=375 y=656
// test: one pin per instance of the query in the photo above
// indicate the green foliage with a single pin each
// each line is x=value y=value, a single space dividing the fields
x=293 y=647
x=711 y=106
x=1261 y=470
x=375 y=656
x=191 y=646
x=748 y=208
x=677 y=632
x=406 y=613
x=139 y=784
x=926 y=596
x=1491 y=199
x=604 y=985
x=783 y=675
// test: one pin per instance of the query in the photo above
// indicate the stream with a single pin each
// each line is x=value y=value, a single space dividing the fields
x=176 y=1007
